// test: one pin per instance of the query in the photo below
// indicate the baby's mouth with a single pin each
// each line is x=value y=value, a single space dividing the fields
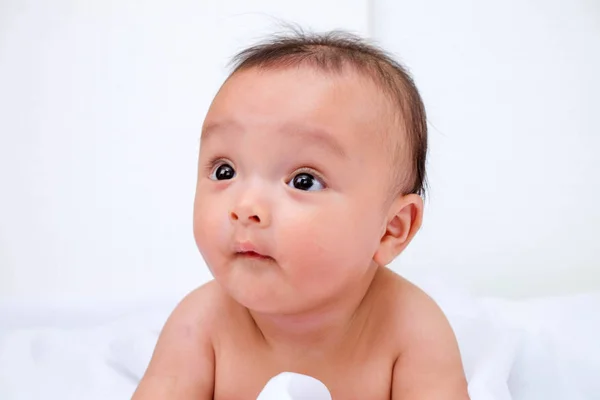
x=253 y=255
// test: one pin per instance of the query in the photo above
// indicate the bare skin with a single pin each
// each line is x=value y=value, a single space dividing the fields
x=293 y=216
x=398 y=345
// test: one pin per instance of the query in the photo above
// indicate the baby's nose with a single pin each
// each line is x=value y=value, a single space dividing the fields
x=235 y=216
x=250 y=214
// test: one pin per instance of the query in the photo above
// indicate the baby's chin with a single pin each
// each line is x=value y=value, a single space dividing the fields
x=257 y=285
x=266 y=298
x=267 y=287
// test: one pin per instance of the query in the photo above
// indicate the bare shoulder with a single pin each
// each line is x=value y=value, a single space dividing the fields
x=198 y=308
x=429 y=365
x=182 y=365
x=195 y=318
x=415 y=310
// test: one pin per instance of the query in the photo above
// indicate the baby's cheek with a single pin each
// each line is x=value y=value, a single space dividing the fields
x=319 y=245
x=208 y=229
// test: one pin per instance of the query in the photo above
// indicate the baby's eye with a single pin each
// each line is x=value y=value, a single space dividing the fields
x=222 y=172
x=306 y=181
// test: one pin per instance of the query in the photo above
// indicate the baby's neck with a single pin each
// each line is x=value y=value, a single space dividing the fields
x=318 y=330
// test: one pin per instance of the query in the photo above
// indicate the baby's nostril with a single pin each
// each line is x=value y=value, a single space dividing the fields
x=244 y=218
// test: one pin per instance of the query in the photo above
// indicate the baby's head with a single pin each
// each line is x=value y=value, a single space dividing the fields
x=311 y=170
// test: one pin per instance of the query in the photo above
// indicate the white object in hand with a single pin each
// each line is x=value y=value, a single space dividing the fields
x=293 y=386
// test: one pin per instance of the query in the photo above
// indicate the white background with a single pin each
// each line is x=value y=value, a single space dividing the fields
x=101 y=104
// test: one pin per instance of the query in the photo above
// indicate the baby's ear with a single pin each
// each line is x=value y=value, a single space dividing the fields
x=403 y=222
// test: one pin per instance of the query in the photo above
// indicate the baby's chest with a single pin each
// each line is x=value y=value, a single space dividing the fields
x=245 y=376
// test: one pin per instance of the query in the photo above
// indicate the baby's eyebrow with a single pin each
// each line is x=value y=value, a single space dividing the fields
x=301 y=131
x=211 y=128
x=317 y=135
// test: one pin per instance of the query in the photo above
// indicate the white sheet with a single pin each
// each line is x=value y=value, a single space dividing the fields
x=512 y=350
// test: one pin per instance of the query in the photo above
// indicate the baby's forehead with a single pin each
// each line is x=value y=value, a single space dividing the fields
x=303 y=95
x=346 y=104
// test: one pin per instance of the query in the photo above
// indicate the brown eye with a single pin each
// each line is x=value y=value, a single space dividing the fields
x=222 y=172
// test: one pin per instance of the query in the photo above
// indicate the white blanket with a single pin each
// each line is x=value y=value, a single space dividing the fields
x=512 y=350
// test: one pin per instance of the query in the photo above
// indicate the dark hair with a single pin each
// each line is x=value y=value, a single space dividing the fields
x=331 y=51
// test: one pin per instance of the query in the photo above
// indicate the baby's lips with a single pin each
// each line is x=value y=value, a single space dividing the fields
x=247 y=247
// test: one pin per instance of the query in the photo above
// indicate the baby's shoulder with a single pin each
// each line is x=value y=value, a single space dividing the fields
x=428 y=358
x=412 y=311
x=203 y=296
x=201 y=310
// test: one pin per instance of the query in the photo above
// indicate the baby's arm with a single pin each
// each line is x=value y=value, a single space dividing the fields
x=429 y=366
x=182 y=366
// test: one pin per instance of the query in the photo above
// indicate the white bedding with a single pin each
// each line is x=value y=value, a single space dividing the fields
x=521 y=350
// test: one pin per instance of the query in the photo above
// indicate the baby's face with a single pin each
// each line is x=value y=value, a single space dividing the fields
x=292 y=182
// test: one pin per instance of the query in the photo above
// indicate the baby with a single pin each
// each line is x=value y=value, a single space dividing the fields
x=310 y=177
